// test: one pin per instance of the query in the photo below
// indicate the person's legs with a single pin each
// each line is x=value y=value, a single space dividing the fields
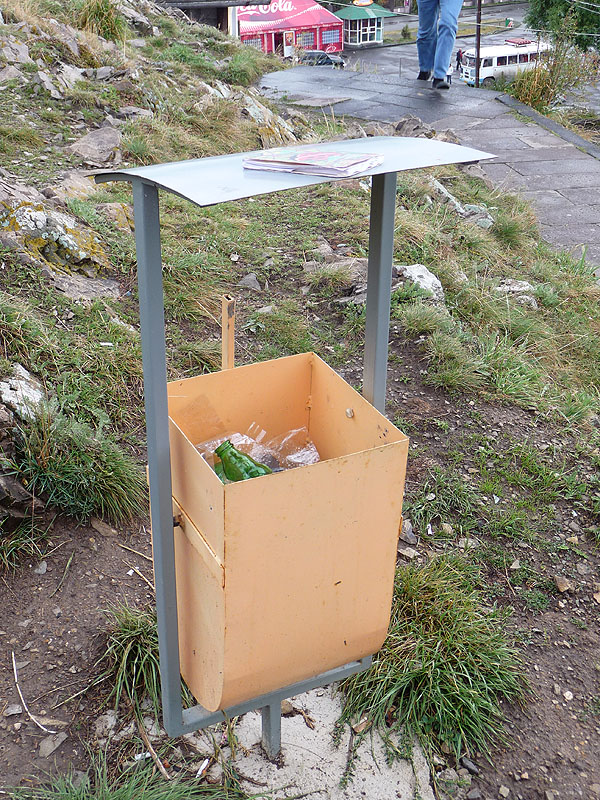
x=446 y=34
x=427 y=33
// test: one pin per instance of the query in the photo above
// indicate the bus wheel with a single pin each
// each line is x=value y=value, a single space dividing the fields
x=488 y=82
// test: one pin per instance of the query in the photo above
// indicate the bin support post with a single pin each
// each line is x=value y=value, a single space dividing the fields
x=379 y=288
x=152 y=326
x=271 y=729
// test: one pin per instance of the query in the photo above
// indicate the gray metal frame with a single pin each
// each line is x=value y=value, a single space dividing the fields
x=184 y=179
x=147 y=239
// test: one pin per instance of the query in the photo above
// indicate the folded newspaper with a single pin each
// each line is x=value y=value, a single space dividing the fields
x=328 y=162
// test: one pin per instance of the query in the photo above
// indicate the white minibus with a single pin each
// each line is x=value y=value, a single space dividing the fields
x=503 y=60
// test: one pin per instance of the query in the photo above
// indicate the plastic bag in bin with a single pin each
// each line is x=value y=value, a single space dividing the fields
x=287 y=451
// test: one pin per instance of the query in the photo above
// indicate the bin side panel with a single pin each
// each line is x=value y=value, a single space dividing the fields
x=273 y=394
x=341 y=420
x=310 y=557
x=201 y=617
x=197 y=489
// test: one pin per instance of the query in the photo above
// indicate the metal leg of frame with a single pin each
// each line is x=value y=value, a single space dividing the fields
x=271 y=729
x=379 y=287
x=152 y=325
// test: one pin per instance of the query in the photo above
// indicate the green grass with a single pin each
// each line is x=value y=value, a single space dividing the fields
x=102 y=782
x=103 y=18
x=444 y=668
x=15 y=138
x=130 y=661
x=22 y=542
x=78 y=469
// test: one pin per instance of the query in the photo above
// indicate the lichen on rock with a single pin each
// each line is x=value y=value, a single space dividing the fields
x=53 y=238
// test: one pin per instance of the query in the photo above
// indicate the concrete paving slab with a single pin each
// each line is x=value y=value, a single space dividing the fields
x=576 y=195
x=556 y=168
x=312 y=765
x=519 y=155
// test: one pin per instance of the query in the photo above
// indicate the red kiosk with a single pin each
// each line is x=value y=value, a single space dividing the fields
x=287 y=24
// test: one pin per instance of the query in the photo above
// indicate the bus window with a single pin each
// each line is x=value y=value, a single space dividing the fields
x=512 y=59
x=501 y=61
x=487 y=62
x=534 y=56
x=523 y=58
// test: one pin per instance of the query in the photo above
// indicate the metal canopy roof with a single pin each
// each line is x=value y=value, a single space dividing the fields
x=371 y=11
x=208 y=181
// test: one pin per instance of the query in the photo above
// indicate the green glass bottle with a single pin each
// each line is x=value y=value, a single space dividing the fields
x=239 y=466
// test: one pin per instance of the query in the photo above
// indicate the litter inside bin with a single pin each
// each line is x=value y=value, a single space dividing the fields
x=287 y=451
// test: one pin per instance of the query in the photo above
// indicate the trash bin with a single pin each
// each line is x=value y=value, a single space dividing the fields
x=285 y=576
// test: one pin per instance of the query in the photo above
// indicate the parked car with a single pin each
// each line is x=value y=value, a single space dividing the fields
x=319 y=58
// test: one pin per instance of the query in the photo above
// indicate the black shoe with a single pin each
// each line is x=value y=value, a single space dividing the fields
x=440 y=83
x=423 y=76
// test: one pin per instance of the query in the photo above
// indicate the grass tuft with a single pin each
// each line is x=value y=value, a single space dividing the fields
x=103 y=18
x=444 y=668
x=133 y=783
x=78 y=469
x=130 y=661
x=21 y=543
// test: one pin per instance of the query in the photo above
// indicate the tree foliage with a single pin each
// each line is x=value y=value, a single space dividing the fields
x=550 y=15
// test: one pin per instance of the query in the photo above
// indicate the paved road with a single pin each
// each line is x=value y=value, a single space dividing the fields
x=562 y=182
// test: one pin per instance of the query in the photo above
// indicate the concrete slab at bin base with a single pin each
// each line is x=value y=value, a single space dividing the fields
x=311 y=762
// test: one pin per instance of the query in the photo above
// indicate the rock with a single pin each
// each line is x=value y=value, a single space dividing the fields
x=273 y=129
x=468 y=543
x=45 y=81
x=474 y=794
x=470 y=765
x=446 y=529
x=103 y=73
x=527 y=300
x=556 y=689
x=510 y=286
x=422 y=277
x=379 y=129
x=51 y=743
x=14 y=52
x=102 y=527
x=137 y=21
x=57 y=611
x=286 y=708
x=583 y=568
x=550 y=795
x=250 y=281
x=504 y=791
x=595 y=788
x=406 y=534
x=75 y=184
x=106 y=725
x=41 y=568
x=98 y=146
x=67 y=76
x=53 y=238
x=12 y=191
x=516 y=564
x=78 y=287
x=135 y=112
x=407 y=552
x=568 y=695
x=66 y=35
x=563 y=584
x=22 y=393
x=265 y=310
x=11 y=73
x=13 y=710
x=447 y=197
x=120 y=214
x=355 y=269
x=413 y=126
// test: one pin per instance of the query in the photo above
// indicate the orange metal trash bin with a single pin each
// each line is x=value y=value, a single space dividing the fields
x=287 y=575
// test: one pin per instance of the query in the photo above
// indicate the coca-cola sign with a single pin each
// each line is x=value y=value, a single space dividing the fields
x=276 y=7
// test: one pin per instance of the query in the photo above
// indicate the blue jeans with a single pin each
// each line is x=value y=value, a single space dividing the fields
x=438 y=23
